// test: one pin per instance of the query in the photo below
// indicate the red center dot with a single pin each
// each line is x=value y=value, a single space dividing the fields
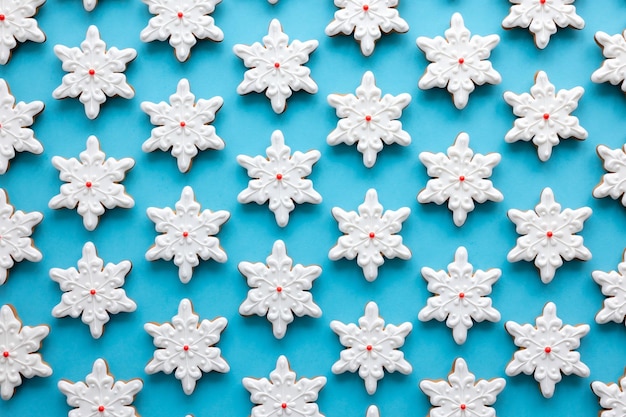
x=546 y=116
x=185 y=348
x=92 y=292
x=101 y=408
x=547 y=349
x=462 y=178
x=284 y=405
x=279 y=289
x=88 y=184
x=2 y=17
x=372 y=235
x=461 y=61
x=463 y=406
x=180 y=15
x=366 y=7
x=542 y=1
x=276 y=65
x=368 y=118
x=183 y=124
x=549 y=234
x=279 y=177
x=92 y=71
x=368 y=347
x=461 y=295
x=5 y=354
x=185 y=233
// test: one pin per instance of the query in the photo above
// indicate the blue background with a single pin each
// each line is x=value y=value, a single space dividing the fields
x=246 y=123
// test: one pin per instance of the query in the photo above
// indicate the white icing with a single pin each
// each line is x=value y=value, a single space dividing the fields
x=460 y=295
x=366 y=18
x=92 y=184
x=614 y=50
x=273 y=1
x=612 y=184
x=183 y=125
x=187 y=234
x=18 y=345
x=186 y=346
x=613 y=284
x=276 y=67
x=372 y=411
x=544 y=116
x=18 y=25
x=93 y=291
x=369 y=119
x=460 y=178
x=280 y=178
x=612 y=397
x=183 y=22
x=279 y=289
x=106 y=79
x=370 y=347
x=458 y=61
x=547 y=350
x=549 y=235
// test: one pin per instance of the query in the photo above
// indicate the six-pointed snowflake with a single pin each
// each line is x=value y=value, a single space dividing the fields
x=93 y=291
x=366 y=18
x=613 y=69
x=548 y=235
x=370 y=347
x=547 y=349
x=187 y=346
x=92 y=183
x=458 y=61
x=183 y=125
x=613 y=285
x=544 y=116
x=183 y=22
x=612 y=184
x=612 y=397
x=17 y=25
x=94 y=72
x=369 y=119
x=460 y=295
x=276 y=67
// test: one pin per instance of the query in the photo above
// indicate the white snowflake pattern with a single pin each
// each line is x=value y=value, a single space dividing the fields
x=613 y=69
x=93 y=72
x=280 y=178
x=93 y=291
x=187 y=346
x=183 y=22
x=458 y=61
x=188 y=234
x=18 y=345
x=547 y=349
x=548 y=235
x=612 y=184
x=279 y=289
x=183 y=125
x=613 y=284
x=612 y=397
x=369 y=119
x=17 y=25
x=370 y=347
x=276 y=67
x=460 y=295
x=92 y=184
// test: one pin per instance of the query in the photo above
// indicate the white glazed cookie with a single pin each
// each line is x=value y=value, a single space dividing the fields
x=369 y=119
x=18 y=25
x=366 y=18
x=94 y=72
x=186 y=346
x=547 y=350
x=370 y=347
x=612 y=397
x=460 y=178
x=549 y=235
x=613 y=284
x=92 y=184
x=18 y=345
x=613 y=183
x=276 y=67
x=458 y=61
x=614 y=50
x=183 y=22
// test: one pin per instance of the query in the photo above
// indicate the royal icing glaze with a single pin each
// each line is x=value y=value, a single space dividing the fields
x=92 y=183
x=612 y=397
x=613 y=183
x=460 y=178
x=613 y=284
x=369 y=119
x=370 y=347
x=614 y=50
x=280 y=178
x=372 y=411
x=458 y=61
x=186 y=346
x=276 y=67
x=183 y=125
x=89 y=5
x=18 y=25
x=93 y=72
x=548 y=235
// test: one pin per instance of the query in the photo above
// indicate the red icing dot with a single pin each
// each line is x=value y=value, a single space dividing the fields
x=279 y=289
x=366 y=7
x=185 y=348
x=462 y=178
x=92 y=71
x=461 y=61
x=92 y=292
x=276 y=65
x=101 y=408
x=279 y=177
x=183 y=124
x=542 y=1
x=461 y=295
x=372 y=235
x=185 y=233
x=180 y=15
x=2 y=17
x=548 y=349
x=5 y=354
x=368 y=347
x=88 y=184
x=368 y=118
x=546 y=116
x=284 y=405
x=463 y=406
x=549 y=234
x=0 y=125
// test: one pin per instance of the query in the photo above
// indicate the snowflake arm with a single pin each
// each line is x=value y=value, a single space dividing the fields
x=18 y=25
x=613 y=69
x=612 y=397
x=613 y=285
x=612 y=184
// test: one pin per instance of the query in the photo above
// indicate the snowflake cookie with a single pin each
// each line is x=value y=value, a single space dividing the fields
x=276 y=67
x=548 y=235
x=613 y=285
x=93 y=291
x=366 y=18
x=94 y=72
x=188 y=234
x=369 y=119
x=612 y=397
x=544 y=116
x=370 y=347
x=541 y=17
x=183 y=22
x=280 y=178
x=92 y=184
x=460 y=295
x=100 y=394
x=18 y=345
x=186 y=346
x=614 y=50
x=547 y=350
x=612 y=184
x=461 y=395
x=183 y=125
x=458 y=61
x=15 y=241
x=460 y=178
x=17 y=25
